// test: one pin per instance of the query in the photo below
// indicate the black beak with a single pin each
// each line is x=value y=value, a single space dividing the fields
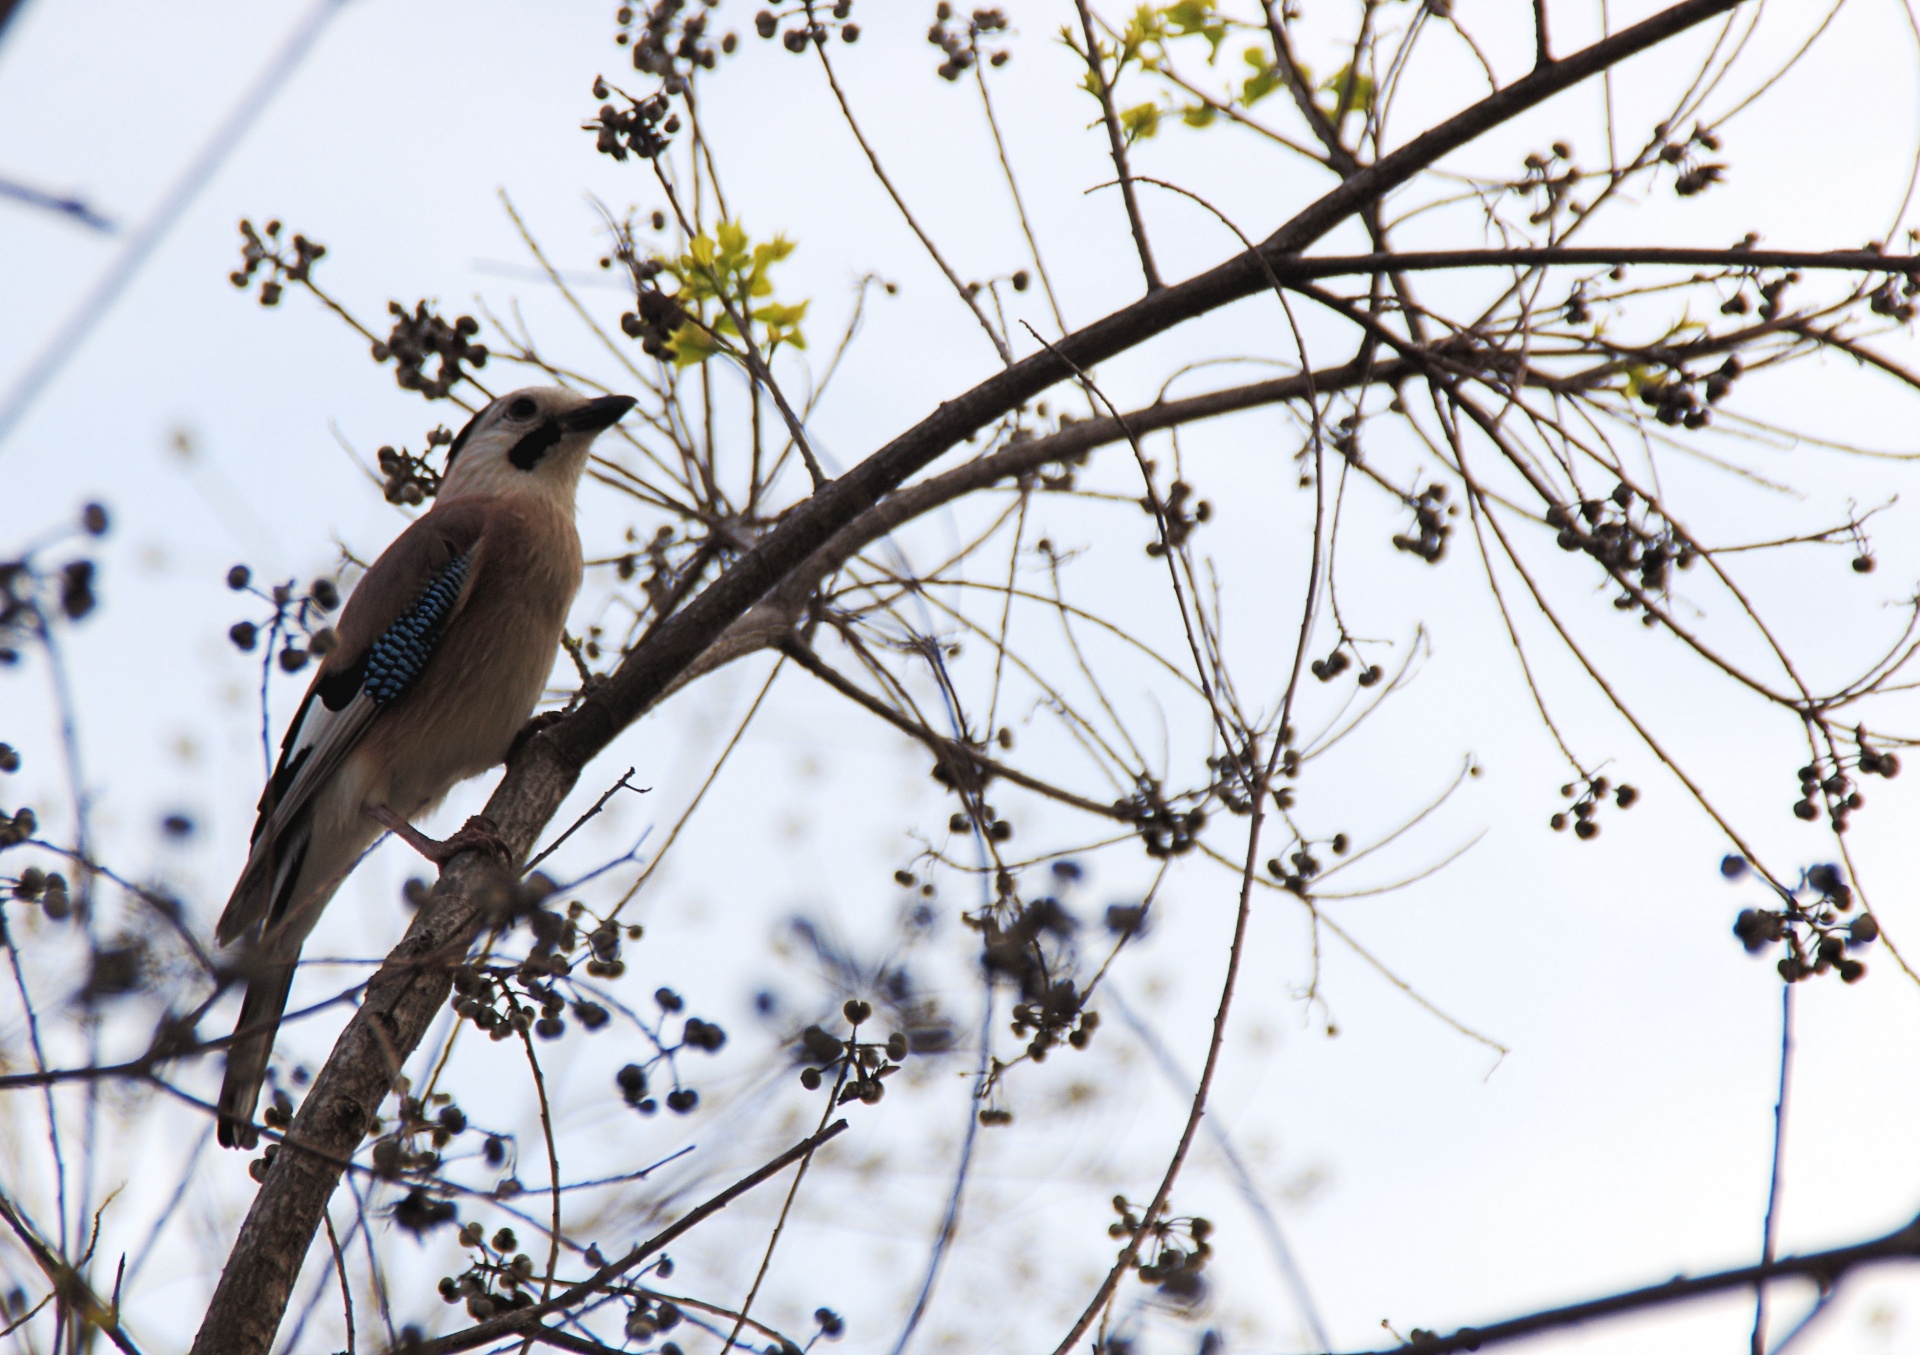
x=596 y=415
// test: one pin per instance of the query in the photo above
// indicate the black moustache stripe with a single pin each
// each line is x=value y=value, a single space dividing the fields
x=527 y=452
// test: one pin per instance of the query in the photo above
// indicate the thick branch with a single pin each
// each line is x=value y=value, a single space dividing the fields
x=411 y=987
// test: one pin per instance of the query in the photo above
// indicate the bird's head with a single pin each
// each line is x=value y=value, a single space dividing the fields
x=532 y=441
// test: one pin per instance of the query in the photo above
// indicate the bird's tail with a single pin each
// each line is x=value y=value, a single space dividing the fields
x=280 y=895
x=271 y=881
x=268 y=984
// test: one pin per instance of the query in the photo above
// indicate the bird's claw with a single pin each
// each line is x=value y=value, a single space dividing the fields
x=539 y=724
x=478 y=833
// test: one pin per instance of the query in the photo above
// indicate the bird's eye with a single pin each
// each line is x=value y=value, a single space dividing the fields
x=523 y=408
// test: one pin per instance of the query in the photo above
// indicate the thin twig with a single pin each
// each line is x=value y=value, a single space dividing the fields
x=1117 y=146
x=70 y=1287
x=513 y=1325
x=970 y=297
x=1769 y=1231
x=624 y=783
x=553 y=1163
x=786 y=1205
x=346 y=1290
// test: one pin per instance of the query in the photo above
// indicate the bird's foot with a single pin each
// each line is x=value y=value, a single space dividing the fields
x=478 y=833
x=538 y=724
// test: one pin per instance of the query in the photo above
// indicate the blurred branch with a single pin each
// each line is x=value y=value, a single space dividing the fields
x=141 y=244
x=74 y=1294
x=71 y=207
x=1826 y=1269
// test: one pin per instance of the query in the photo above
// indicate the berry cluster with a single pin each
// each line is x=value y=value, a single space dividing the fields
x=656 y=317
x=1301 y=865
x=33 y=594
x=17 y=827
x=419 y=337
x=1770 y=293
x=1894 y=298
x=257 y=252
x=1173 y=1255
x=1695 y=175
x=1837 y=788
x=296 y=624
x=1428 y=539
x=1587 y=797
x=1676 y=402
x=1058 y=1015
x=1338 y=662
x=1818 y=935
x=858 y=1064
x=642 y=128
x=1626 y=535
x=409 y=480
x=1177 y=518
x=649 y=1317
x=496 y=1281
x=1165 y=830
x=801 y=25
x=667 y=41
x=1552 y=176
x=34 y=885
x=961 y=45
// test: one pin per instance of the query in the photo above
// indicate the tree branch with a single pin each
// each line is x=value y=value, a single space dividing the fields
x=1117 y=146
x=1825 y=1269
x=414 y=983
x=950 y=750
x=1595 y=256
x=70 y=1288
x=522 y=1320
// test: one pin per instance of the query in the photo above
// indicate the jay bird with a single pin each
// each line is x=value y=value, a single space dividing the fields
x=441 y=653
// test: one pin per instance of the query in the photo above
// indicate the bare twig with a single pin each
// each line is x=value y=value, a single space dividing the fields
x=346 y=1290
x=71 y=1291
x=1770 y=1230
x=524 y=1320
x=970 y=296
x=1117 y=145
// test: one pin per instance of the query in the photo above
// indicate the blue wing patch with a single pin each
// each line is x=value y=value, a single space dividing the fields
x=395 y=661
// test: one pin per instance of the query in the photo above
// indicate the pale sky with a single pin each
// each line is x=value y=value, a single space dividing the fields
x=1420 y=1178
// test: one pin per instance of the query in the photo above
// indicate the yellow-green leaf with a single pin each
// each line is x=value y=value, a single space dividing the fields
x=1141 y=121
x=691 y=345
